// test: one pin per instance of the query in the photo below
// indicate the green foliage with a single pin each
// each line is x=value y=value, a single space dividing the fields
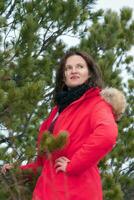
x=17 y=184
x=50 y=143
x=112 y=190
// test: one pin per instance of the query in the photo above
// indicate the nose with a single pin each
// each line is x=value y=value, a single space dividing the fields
x=74 y=69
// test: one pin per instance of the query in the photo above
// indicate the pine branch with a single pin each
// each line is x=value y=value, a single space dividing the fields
x=11 y=8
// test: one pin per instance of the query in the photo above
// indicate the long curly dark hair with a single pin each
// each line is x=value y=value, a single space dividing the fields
x=92 y=66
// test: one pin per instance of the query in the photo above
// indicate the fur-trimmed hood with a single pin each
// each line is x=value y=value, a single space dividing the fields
x=116 y=99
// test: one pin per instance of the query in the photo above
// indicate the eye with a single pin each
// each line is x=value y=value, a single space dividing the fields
x=68 y=67
x=80 y=66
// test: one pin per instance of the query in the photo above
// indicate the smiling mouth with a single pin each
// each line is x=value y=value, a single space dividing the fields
x=74 y=77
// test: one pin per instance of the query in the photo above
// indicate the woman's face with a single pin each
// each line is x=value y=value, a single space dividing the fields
x=76 y=71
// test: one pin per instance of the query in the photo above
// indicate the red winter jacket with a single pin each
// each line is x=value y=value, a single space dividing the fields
x=92 y=131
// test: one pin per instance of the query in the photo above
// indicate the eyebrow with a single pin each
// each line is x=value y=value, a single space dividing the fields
x=76 y=64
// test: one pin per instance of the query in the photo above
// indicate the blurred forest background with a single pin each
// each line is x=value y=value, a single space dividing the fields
x=30 y=48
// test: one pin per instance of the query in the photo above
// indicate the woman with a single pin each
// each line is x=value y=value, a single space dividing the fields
x=89 y=119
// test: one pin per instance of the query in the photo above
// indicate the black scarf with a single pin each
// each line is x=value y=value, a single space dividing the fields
x=67 y=96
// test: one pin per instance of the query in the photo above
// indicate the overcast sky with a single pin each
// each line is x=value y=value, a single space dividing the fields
x=114 y=4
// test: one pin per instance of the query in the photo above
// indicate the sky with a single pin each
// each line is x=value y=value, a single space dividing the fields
x=115 y=5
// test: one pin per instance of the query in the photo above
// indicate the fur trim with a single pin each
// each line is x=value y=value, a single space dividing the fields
x=116 y=99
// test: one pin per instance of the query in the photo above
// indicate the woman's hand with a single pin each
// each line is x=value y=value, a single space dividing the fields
x=6 y=168
x=61 y=164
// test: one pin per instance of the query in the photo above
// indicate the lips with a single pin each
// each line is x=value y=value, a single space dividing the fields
x=74 y=77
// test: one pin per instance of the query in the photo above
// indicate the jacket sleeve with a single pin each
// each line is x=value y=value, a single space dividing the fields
x=39 y=161
x=100 y=142
x=33 y=166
